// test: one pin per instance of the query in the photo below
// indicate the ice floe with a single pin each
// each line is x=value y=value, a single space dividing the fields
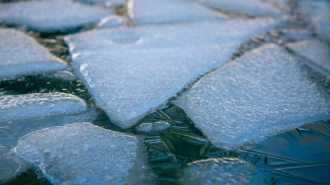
x=82 y=153
x=22 y=55
x=131 y=71
x=52 y=15
x=317 y=53
x=164 y=11
x=39 y=105
x=260 y=94
x=157 y=126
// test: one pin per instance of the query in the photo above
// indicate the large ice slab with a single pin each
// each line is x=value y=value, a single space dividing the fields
x=264 y=92
x=39 y=105
x=107 y=3
x=317 y=53
x=131 y=71
x=254 y=7
x=164 y=11
x=52 y=15
x=83 y=153
x=22 y=55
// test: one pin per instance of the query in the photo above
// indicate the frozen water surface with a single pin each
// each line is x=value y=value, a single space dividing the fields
x=316 y=52
x=39 y=104
x=69 y=155
x=21 y=55
x=52 y=15
x=163 y=11
x=107 y=3
x=263 y=92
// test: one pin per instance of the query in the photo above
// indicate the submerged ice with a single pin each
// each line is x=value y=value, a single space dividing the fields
x=261 y=93
x=82 y=153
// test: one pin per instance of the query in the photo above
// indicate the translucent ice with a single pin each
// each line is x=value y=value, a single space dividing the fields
x=157 y=126
x=39 y=105
x=82 y=153
x=51 y=15
x=261 y=93
x=107 y=3
x=131 y=71
x=21 y=55
x=220 y=171
x=316 y=53
x=163 y=11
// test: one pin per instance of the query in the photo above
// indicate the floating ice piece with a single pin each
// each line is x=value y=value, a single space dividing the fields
x=316 y=52
x=254 y=7
x=38 y=104
x=21 y=55
x=220 y=171
x=157 y=126
x=298 y=34
x=60 y=75
x=164 y=11
x=263 y=92
x=82 y=153
x=52 y=15
x=107 y=3
x=111 y=21
x=131 y=71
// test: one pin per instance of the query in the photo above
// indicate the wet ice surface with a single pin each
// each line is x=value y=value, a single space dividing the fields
x=255 y=98
x=164 y=11
x=316 y=52
x=70 y=155
x=22 y=55
x=51 y=16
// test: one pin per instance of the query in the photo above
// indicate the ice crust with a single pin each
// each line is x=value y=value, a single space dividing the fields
x=69 y=155
x=317 y=53
x=164 y=11
x=107 y=3
x=253 y=7
x=131 y=71
x=39 y=105
x=21 y=55
x=51 y=15
x=220 y=171
x=260 y=94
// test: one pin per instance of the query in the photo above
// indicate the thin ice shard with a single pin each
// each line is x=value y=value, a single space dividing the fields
x=21 y=55
x=82 y=153
x=263 y=92
x=107 y=3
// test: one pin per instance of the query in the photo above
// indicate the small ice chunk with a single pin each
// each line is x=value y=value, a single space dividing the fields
x=107 y=3
x=164 y=11
x=261 y=93
x=157 y=126
x=253 y=7
x=64 y=75
x=39 y=105
x=297 y=34
x=21 y=55
x=316 y=52
x=82 y=153
x=220 y=171
x=51 y=15
x=111 y=21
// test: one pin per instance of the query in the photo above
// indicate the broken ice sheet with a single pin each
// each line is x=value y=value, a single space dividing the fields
x=82 y=153
x=21 y=55
x=131 y=71
x=164 y=11
x=52 y=15
x=317 y=54
x=107 y=3
x=253 y=7
x=261 y=93
x=39 y=105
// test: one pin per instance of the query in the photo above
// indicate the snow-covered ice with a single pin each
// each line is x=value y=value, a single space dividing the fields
x=69 y=155
x=165 y=11
x=260 y=94
x=39 y=105
x=131 y=71
x=317 y=54
x=107 y=3
x=21 y=55
x=52 y=15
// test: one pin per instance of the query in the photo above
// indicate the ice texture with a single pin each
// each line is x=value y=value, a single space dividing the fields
x=21 y=55
x=39 y=105
x=131 y=71
x=317 y=54
x=82 y=153
x=220 y=171
x=164 y=11
x=107 y=3
x=253 y=7
x=260 y=94
x=51 y=15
